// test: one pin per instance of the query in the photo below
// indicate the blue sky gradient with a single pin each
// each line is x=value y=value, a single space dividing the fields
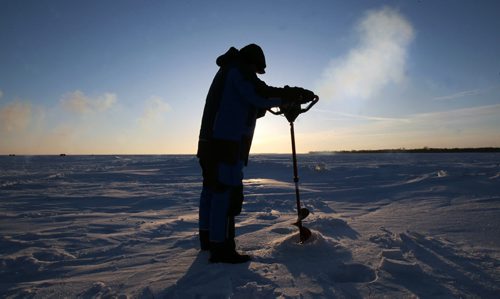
x=130 y=77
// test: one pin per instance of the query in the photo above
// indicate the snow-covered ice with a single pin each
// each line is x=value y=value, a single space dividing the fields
x=384 y=225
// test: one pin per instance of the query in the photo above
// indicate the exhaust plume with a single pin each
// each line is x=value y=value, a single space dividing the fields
x=378 y=59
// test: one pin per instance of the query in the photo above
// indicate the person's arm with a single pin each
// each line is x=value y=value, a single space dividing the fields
x=287 y=93
x=249 y=92
x=267 y=91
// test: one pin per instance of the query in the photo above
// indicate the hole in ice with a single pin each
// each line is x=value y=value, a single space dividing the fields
x=316 y=248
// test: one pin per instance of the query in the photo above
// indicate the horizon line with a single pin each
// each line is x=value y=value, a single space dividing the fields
x=402 y=149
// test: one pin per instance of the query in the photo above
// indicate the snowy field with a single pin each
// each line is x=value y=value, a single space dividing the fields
x=384 y=225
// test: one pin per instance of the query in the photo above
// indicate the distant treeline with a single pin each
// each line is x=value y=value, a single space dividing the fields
x=417 y=150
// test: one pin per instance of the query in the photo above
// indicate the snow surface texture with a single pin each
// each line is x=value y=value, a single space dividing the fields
x=384 y=225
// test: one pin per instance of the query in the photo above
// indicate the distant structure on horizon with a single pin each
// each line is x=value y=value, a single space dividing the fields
x=417 y=150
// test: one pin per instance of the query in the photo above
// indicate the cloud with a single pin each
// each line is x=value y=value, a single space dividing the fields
x=378 y=59
x=463 y=127
x=462 y=94
x=344 y=115
x=154 y=112
x=78 y=102
x=460 y=115
x=15 y=117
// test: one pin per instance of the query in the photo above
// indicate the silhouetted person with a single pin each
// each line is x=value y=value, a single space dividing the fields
x=237 y=97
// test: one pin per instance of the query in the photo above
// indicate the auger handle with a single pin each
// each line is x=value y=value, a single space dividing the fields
x=292 y=111
x=309 y=106
x=302 y=110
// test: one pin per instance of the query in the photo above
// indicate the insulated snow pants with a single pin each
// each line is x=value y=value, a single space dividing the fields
x=221 y=199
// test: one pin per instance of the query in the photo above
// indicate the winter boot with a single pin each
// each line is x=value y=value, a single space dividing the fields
x=225 y=253
x=204 y=240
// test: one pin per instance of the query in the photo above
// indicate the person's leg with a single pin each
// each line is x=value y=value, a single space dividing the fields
x=225 y=252
x=231 y=231
x=223 y=209
x=209 y=171
x=204 y=218
x=218 y=216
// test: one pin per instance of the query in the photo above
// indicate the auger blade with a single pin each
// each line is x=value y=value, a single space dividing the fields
x=303 y=213
x=304 y=232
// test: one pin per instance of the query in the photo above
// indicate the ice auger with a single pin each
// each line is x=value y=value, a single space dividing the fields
x=291 y=112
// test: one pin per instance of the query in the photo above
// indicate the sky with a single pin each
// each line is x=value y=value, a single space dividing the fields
x=131 y=77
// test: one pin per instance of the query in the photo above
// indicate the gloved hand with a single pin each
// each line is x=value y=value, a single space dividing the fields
x=306 y=96
x=297 y=95
x=292 y=99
